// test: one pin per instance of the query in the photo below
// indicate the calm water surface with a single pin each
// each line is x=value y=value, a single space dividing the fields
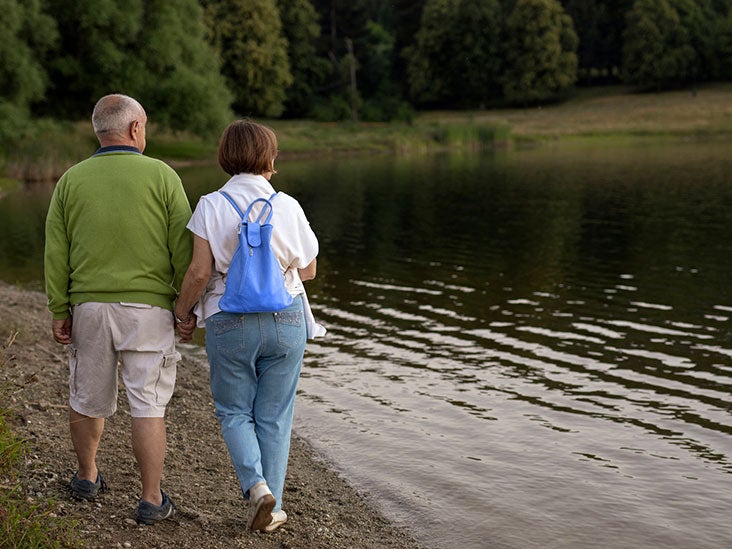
x=526 y=349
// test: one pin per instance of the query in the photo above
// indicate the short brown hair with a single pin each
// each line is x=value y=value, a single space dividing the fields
x=247 y=147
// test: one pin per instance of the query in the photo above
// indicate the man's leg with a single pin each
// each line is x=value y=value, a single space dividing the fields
x=149 y=377
x=148 y=445
x=92 y=384
x=86 y=432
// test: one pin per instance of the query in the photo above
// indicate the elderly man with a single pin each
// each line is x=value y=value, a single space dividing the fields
x=116 y=250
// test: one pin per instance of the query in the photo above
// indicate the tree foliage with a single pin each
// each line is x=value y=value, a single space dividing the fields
x=183 y=86
x=155 y=51
x=697 y=17
x=308 y=67
x=94 y=57
x=599 y=25
x=26 y=35
x=724 y=45
x=456 y=55
x=248 y=36
x=541 y=58
x=190 y=61
x=657 y=50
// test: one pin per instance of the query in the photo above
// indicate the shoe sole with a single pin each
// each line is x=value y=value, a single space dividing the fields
x=263 y=513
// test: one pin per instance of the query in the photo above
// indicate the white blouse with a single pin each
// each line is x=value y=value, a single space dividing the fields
x=293 y=241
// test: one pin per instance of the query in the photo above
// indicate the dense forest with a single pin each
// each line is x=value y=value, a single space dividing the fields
x=196 y=63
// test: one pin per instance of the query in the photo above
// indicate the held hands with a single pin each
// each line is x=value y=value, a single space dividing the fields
x=185 y=327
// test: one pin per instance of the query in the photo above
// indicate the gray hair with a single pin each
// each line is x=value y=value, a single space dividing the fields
x=114 y=113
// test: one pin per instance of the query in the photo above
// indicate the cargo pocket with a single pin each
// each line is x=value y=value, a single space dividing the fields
x=166 y=378
x=73 y=364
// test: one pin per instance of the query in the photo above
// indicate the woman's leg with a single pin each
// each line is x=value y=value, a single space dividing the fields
x=278 y=371
x=232 y=346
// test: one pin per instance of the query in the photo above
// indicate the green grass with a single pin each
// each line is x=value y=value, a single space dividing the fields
x=613 y=111
x=8 y=184
x=25 y=522
x=170 y=145
x=593 y=115
x=306 y=137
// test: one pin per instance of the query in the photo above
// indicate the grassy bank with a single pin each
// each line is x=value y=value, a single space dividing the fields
x=613 y=113
x=26 y=521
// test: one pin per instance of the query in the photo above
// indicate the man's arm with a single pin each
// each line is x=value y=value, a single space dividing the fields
x=56 y=258
x=180 y=243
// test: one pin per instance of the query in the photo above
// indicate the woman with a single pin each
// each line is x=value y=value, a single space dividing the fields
x=255 y=358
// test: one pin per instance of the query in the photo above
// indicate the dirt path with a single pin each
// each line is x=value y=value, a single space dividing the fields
x=324 y=511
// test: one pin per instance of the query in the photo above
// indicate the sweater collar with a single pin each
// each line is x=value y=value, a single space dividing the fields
x=117 y=149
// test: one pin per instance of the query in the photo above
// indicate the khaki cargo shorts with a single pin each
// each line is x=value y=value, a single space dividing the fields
x=138 y=337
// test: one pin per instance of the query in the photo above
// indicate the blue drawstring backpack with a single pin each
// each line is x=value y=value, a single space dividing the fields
x=254 y=283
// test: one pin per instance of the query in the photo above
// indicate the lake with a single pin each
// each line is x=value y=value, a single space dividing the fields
x=525 y=348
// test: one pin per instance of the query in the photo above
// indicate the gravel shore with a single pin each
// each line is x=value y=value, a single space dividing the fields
x=324 y=510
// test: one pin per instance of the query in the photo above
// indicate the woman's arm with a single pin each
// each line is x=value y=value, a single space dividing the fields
x=194 y=282
x=308 y=273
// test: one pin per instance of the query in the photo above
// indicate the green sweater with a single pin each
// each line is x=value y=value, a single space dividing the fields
x=116 y=232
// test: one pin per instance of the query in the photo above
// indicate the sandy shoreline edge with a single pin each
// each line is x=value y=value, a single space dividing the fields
x=325 y=510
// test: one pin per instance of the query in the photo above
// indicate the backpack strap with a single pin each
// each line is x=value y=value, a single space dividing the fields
x=245 y=216
x=261 y=212
x=253 y=229
x=231 y=201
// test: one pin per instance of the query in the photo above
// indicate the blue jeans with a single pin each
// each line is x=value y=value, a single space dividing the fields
x=255 y=363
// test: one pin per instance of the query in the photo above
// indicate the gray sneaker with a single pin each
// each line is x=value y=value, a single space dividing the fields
x=149 y=514
x=86 y=489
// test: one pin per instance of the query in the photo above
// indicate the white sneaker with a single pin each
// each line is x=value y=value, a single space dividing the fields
x=278 y=519
x=261 y=503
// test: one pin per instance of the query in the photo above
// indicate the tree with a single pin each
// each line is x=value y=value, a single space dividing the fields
x=302 y=31
x=407 y=18
x=155 y=51
x=383 y=101
x=477 y=51
x=541 y=58
x=657 y=51
x=355 y=35
x=26 y=35
x=724 y=46
x=698 y=19
x=248 y=36
x=455 y=59
x=95 y=56
x=184 y=87
x=599 y=25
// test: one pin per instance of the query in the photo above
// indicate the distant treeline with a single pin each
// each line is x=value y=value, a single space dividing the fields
x=195 y=63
